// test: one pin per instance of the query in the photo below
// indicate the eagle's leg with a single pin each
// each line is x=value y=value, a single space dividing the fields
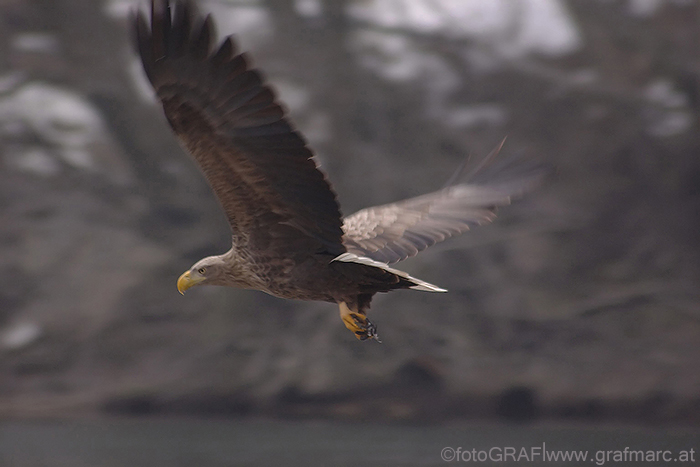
x=356 y=320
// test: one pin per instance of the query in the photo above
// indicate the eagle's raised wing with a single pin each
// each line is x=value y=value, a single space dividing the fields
x=225 y=115
x=394 y=232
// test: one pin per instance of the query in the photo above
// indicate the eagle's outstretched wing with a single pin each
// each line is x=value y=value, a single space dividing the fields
x=226 y=116
x=394 y=232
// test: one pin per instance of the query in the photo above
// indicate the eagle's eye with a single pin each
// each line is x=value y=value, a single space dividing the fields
x=202 y=270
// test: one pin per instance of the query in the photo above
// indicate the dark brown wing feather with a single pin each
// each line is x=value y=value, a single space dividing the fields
x=259 y=168
x=394 y=232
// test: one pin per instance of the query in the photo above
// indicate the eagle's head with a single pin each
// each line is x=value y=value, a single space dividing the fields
x=209 y=270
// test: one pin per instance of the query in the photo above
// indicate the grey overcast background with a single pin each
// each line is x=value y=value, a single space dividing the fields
x=582 y=301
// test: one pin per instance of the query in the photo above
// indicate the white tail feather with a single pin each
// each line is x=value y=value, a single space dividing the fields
x=419 y=284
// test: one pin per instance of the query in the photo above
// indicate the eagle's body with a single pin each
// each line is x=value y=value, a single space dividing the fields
x=288 y=236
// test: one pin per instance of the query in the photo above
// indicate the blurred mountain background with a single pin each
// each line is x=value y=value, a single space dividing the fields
x=581 y=301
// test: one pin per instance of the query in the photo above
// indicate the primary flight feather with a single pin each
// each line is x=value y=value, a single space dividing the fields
x=288 y=236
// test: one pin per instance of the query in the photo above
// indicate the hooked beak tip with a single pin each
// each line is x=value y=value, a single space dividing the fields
x=184 y=282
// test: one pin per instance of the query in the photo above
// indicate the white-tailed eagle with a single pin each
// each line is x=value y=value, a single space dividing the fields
x=288 y=236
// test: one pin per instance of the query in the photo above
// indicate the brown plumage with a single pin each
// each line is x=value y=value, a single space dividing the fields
x=288 y=236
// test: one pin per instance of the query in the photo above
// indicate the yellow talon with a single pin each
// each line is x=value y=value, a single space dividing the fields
x=358 y=323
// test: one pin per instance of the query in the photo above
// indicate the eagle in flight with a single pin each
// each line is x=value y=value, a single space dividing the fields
x=289 y=238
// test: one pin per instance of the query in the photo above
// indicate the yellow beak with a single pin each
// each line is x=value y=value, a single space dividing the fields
x=186 y=281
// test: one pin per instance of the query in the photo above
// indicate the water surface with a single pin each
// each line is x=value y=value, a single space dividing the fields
x=206 y=443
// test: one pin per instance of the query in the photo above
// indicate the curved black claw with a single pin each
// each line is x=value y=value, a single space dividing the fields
x=367 y=329
x=358 y=323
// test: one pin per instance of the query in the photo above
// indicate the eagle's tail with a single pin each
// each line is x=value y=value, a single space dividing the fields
x=415 y=284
